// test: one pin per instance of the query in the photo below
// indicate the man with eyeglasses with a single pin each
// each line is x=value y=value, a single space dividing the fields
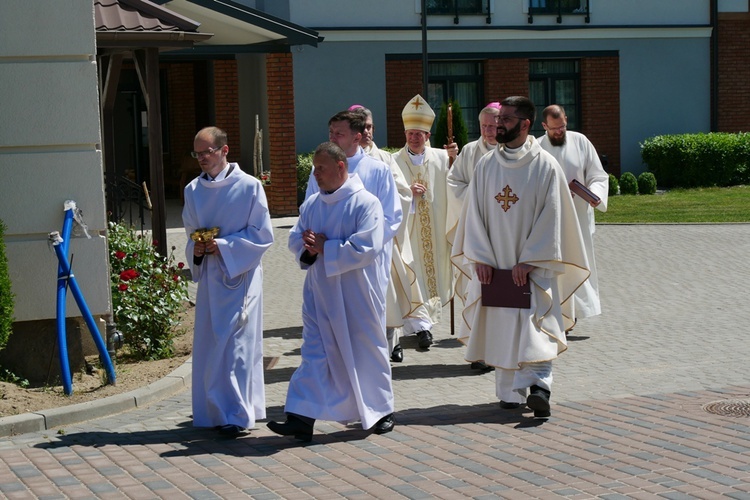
x=461 y=172
x=518 y=216
x=229 y=229
x=579 y=160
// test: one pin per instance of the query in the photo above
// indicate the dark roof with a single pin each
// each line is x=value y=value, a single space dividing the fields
x=237 y=26
x=122 y=23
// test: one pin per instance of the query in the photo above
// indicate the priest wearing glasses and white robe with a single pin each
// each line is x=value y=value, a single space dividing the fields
x=519 y=216
x=345 y=373
x=227 y=388
x=579 y=160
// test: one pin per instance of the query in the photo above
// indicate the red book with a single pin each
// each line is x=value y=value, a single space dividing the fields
x=582 y=191
x=502 y=292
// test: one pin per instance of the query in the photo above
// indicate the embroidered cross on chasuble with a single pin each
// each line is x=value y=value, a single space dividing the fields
x=506 y=198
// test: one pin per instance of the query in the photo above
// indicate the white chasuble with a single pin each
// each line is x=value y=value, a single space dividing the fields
x=227 y=377
x=345 y=373
x=519 y=211
x=426 y=229
x=459 y=177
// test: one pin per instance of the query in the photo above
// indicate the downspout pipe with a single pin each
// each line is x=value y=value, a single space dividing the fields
x=425 y=78
x=714 y=65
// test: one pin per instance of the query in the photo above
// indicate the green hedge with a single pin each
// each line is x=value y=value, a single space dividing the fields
x=698 y=160
x=6 y=294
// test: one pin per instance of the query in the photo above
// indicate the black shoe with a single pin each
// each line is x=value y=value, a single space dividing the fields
x=293 y=427
x=424 y=339
x=509 y=406
x=385 y=424
x=482 y=366
x=397 y=355
x=231 y=431
x=538 y=401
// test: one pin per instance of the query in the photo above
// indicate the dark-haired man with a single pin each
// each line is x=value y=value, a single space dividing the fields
x=518 y=215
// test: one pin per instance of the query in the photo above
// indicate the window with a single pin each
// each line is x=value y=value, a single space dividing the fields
x=555 y=82
x=558 y=6
x=461 y=81
x=456 y=6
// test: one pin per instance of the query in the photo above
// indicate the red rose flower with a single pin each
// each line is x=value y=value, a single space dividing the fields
x=180 y=265
x=120 y=254
x=129 y=274
x=175 y=278
x=123 y=287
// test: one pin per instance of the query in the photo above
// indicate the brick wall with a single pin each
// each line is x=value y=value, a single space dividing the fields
x=227 y=105
x=403 y=80
x=282 y=192
x=600 y=107
x=734 y=73
x=505 y=77
x=182 y=126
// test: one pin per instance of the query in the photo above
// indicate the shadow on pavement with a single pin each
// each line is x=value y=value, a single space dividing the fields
x=188 y=440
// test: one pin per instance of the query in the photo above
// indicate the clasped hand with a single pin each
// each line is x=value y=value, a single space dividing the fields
x=206 y=247
x=520 y=273
x=314 y=242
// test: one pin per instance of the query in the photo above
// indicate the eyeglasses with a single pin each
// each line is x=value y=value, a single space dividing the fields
x=556 y=129
x=201 y=154
x=506 y=119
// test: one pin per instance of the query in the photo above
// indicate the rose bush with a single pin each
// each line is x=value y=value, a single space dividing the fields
x=148 y=292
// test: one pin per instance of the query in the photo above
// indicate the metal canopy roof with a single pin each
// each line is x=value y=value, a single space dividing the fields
x=238 y=28
x=141 y=23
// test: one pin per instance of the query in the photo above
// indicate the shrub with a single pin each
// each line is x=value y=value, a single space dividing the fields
x=698 y=160
x=460 y=132
x=148 y=291
x=628 y=183
x=646 y=183
x=6 y=294
x=614 y=186
x=304 y=169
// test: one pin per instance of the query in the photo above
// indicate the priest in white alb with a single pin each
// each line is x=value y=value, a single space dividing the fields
x=579 y=160
x=462 y=170
x=399 y=303
x=345 y=373
x=227 y=376
x=519 y=216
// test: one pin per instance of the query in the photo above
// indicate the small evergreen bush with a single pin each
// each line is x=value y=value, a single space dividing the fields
x=6 y=294
x=460 y=132
x=614 y=186
x=304 y=169
x=148 y=292
x=646 y=183
x=628 y=183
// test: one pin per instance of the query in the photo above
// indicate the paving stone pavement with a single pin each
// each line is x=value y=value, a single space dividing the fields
x=628 y=417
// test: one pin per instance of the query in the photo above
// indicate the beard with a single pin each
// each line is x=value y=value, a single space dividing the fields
x=508 y=135
x=557 y=141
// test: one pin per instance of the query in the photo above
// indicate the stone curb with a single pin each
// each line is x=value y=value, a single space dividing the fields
x=73 y=414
